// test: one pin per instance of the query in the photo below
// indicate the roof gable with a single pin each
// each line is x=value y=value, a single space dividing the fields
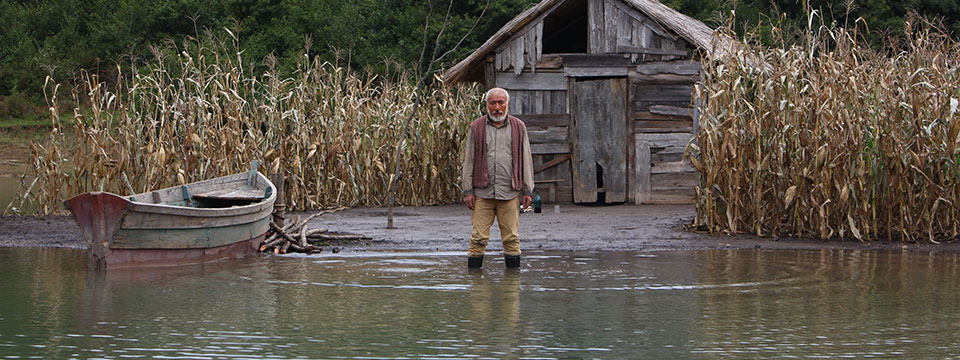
x=529 y=26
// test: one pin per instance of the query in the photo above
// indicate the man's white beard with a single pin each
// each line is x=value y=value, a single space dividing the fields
x=498 y=118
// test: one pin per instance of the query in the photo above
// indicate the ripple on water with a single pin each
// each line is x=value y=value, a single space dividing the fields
x=745 y=304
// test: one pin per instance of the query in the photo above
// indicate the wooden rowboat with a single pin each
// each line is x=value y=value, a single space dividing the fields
x=210 y=220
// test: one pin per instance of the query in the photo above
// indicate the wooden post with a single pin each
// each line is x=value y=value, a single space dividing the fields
x=642 y=168
x=280 y=206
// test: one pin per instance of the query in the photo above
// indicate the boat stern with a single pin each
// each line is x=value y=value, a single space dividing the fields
x=98 y=214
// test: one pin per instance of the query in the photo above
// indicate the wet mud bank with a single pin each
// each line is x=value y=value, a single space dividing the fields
x=447 y=228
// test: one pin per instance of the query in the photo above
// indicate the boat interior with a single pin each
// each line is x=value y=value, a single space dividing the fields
x=225 y=192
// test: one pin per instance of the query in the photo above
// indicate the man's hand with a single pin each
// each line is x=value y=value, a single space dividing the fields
x=527 y=199
x=470 y=200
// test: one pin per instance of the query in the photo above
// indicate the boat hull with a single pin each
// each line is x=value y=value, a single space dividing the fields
x=123 y=233
x=107 y=258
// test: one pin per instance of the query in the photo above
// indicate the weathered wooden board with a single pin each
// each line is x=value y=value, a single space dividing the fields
x=646 y=115
x=595 y=60
x=559 y=103
x=672 y=167
x=188 y=238
x=641 y=18
x=595 y=40
x=595 y=71
x=550 y=61
x=526 y=104
x=665 y=140
x=564 y=194
x=611 y=17
x=660 y=126
x=671 y=110
x=640 y=106
x=612 y=152
x=552 y=167
x=553 y=162
x=667 y=154
x=530 y=81
x=545 y=120
x=673 y=181
x=642 y=172
x=600 y=138
x=630 y=49
x=554 y=148
x=556 y=134
x=678 y=67
x=662 y=91
x=636 y=77
x=532 y=44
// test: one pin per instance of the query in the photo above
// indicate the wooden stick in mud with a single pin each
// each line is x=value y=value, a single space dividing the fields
x=279 y=206
x=321 y=237
x=283 y=236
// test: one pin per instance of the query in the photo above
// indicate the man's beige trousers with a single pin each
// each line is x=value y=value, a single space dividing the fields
x=507 y=213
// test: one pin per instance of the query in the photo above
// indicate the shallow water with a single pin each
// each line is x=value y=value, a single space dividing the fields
x=10 y=187
x=680 y=304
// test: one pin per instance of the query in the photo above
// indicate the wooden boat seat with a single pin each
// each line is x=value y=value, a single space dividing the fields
x=245 y=193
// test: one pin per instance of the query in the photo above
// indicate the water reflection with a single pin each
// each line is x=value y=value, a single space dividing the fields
x=494 y=304
x=829 y=303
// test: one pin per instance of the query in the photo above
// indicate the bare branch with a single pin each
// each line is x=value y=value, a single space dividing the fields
x=457 y=46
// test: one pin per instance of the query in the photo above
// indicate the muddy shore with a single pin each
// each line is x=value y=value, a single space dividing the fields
x=447 y=228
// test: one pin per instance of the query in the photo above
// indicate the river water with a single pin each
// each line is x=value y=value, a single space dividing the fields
x=678 y=304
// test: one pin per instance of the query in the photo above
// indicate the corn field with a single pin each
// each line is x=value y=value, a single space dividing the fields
x=830 y=139
x=196 y=112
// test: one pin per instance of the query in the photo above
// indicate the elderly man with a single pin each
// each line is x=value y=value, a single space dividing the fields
x=497 y=173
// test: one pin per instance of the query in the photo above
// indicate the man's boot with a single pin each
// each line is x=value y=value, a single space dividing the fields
x=513 y=261
x=474 y=262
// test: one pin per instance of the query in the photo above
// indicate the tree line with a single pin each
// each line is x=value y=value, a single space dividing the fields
x=61 y=37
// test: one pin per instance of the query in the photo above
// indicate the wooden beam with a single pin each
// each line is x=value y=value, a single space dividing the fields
x=664 y=140
x=645 y=115
x=662 y=79
x=672 y=167
x=554 y=148
x=595 y=71
x=545 y=120
x=682 y=67
x=557 y=134
x=610 y=17
x=595 y=60
x=550 y=61
x=655 y=126
x=489 y=74
x=630 y=49
x=642 y=170
x=549 y=164
x=652 y=25
x=671 y=110
x=530 y=81
x=595 y=26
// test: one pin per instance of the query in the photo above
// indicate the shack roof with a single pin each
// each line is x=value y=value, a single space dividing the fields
x=692 y=30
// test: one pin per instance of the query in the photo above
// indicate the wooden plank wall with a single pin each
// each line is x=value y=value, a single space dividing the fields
x=663 y=125
x=540 y=100
x=615 y=27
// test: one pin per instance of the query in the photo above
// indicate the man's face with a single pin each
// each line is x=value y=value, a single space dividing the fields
x=497 y=105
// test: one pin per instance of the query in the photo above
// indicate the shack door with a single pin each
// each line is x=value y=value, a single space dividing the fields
x=600 y=137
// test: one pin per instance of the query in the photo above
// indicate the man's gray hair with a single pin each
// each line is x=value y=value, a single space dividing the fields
x=487 y=94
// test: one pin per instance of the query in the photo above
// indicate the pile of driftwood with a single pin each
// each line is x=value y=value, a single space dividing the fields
x=296 y=237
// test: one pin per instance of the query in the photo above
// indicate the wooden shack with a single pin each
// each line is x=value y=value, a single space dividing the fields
x=605 y=88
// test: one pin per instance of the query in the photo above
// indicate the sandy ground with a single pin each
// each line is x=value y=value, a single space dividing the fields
x=447 y=228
